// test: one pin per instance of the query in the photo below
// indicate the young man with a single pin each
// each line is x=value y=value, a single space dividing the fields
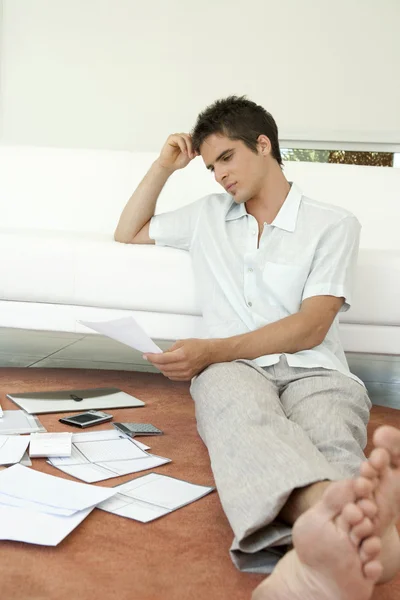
x=276 y=404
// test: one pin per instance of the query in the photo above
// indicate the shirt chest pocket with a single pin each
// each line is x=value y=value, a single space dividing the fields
x=284 y=285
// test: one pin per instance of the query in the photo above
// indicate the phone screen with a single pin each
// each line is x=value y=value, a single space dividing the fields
x=85 y=418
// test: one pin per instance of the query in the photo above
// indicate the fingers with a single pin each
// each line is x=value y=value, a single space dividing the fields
x=177 y=140
x=189 y=145
x=184 y=141
x=178 y=375
x=166 y=358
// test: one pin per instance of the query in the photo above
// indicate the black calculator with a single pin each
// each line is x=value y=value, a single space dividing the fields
x=134 y=429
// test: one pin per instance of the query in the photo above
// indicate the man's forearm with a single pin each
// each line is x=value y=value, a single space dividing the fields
x=291 y=334
x=141 y=206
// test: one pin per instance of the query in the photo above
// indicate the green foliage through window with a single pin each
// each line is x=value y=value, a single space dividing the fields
x=348 y=157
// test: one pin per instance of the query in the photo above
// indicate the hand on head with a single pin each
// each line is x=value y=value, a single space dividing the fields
x=177 y=152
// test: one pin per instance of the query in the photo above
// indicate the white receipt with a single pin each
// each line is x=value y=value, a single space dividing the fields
x=152 y=496
x=125 y=330
x=103 y=435
x=121 y=449
x=93 y=472
x=100 y=455
x=50 y=444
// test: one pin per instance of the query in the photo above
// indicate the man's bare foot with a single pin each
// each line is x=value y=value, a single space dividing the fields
x=383 y=469
x=335 y=555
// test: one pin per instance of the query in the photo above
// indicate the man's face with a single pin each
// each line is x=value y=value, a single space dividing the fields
x=239 y=170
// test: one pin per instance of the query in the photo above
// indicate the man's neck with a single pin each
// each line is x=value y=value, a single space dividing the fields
x=266 y=205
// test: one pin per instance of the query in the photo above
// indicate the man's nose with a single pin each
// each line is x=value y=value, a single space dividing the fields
x=220 y=175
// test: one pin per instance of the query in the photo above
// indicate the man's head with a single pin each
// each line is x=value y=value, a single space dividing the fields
x=238 y=140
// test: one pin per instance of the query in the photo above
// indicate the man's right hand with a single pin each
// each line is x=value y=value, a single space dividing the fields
x=177 y=152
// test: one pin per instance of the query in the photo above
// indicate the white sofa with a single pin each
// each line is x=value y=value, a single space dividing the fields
x=59 y=262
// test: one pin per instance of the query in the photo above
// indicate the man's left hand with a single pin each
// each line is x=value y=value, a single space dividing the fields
x=184 y=360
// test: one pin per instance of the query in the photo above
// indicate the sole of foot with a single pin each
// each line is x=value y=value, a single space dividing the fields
x=335 y=555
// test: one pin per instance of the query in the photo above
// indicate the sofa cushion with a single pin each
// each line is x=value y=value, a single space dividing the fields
x=93 y=270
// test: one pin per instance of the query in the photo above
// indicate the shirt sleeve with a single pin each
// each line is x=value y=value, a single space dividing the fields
x=334 y=264
x=176 y=228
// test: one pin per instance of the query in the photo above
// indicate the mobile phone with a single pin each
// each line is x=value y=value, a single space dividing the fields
x=87 y=419
x=134 y=429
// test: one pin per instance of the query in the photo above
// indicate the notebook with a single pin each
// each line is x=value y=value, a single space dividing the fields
x=74 y=400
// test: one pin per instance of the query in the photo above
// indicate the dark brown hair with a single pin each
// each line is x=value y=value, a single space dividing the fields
x=239 y=119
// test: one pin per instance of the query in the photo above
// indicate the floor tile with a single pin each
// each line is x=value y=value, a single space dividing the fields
x=377 y=371
x=18 y=360
x=53 y=363
x=373 y=357
x=32 y=345
x=99 y=348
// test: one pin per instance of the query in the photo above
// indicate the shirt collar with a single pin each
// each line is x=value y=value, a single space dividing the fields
x=286 y=217
x=236 y=211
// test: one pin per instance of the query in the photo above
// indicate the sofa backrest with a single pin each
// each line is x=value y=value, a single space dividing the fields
x=86 y=190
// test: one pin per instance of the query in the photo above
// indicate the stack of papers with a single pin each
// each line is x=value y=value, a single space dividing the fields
x=12 y=448
x=17 y=421
x=50 y=444
x=42 y=509
x=152 y=496
x=100 y=455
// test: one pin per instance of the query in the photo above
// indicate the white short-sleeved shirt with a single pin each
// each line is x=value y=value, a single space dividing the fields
x=310 y=249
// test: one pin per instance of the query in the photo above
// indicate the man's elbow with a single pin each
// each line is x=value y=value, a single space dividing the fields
x=316 y=336
x=119 y=237
x=311 y=334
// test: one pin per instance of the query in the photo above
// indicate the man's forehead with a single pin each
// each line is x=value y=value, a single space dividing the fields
x=213 y=146
x=216 y=142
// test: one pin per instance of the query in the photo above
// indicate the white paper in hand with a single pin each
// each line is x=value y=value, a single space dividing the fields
x=127 y=331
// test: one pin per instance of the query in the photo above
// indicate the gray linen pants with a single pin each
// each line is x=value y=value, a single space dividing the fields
x=268 y=431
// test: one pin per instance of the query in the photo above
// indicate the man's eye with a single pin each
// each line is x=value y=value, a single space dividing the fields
x=227 y=157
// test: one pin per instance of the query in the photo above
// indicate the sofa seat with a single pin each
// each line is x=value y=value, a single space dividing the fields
x=91 y=271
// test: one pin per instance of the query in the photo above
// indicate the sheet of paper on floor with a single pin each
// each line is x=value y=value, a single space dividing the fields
x=25 y=460
x=33 y=486
x=101 y=455
x=18 y=422
x=12 y=448
x=152 y=496
x=41 y=509
x=22 y=525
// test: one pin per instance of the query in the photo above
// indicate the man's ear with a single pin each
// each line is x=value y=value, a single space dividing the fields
x=264 y=144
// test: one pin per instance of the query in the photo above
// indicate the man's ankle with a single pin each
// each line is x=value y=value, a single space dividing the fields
x=301 y=499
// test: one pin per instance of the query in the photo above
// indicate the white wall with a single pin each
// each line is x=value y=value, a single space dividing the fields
x=122 y=74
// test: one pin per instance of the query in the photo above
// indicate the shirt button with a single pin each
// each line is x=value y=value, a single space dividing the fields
x=250 y=270
x=253 y=232
x=249 y=304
